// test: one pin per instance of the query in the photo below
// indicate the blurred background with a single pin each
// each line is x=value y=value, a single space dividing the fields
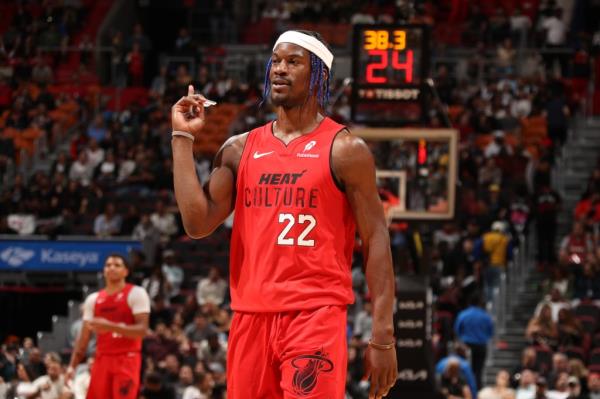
x=507 y=237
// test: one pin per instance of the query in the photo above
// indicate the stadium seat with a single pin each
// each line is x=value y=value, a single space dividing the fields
x=594 y=362
x=543 y=358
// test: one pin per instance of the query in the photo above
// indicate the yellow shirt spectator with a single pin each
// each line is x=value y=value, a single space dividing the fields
x=495 y=244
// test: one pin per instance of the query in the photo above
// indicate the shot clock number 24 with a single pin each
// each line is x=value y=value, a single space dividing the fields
x=385 y=49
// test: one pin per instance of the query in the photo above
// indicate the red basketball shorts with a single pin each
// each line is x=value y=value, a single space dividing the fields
x=296 y=354
x=115 y=376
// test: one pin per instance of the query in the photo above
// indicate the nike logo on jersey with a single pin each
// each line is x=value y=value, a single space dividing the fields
x=260 y=155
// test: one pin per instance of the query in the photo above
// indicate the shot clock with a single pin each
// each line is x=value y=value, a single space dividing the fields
x=389 y=67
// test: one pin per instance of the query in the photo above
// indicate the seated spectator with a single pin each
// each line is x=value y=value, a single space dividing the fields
x=528 y=362
x=541 y=328
x=82 y=170
x=35 y=365
x=556 y=302
x=461 y=354
x=107 y=223
x=593 y=384
x=561 y=387
x=95 y=153
x=560 y=366
x=155 y=388
x=169 y=368
x=211 y=288
x=164 y=221
x=185 y=380
x=587 y=282
x=363 y=323
x=576 y=248
x=156 y=284
x=498 y=145
x=501 y=390
x=51 y=385
x=148 y=234
x=202 y=388
x=527 y=387
x=159 y=344
x=212 y=350
x=199 y=329
x=452 y=386
x=173 y=275
x=570 y=330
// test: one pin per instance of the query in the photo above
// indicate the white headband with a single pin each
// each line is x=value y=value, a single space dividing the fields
x=308 y=42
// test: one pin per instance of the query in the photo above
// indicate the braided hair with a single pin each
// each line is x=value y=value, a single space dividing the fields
x=319 y=80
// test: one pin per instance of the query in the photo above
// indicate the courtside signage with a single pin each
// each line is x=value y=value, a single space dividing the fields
x=87 y=256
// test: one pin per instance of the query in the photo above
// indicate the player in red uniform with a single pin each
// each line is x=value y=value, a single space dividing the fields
x=299 y=186
x=118 y=314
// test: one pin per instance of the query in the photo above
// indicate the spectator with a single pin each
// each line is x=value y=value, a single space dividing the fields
x=495 y=247
x=555 y=36
x=82 y=170
x=363 y=323
x=95 y=153
x=561 y=387
x=155 y=388
x=573 y=388
x=97 y=129
x=451 y=384
x=186 y=379
x=475 y=328
x=211 y=288
x=35 y=366
x=570 y=330
x=81 y=381
x=466 y=373
x=501 y=390
x=202 y=388
x=173 y=273
x=593 y=384
x=107 y=223
x=498 y=145
x=164 y=221
x=156 y=284
x=560 y=366
x=149 y=235
x=542 y=328
x=527 y=386
x=199 y=329
x=51 y=385
x=576 y=248
x=212 y=350
x=528 y=362
x=547 y=204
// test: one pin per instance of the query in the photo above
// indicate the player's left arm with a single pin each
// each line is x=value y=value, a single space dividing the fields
x=354 y=167
x=138 y=329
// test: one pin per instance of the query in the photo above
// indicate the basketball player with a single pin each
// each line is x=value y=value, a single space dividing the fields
x=118 y=314
x=298 y=186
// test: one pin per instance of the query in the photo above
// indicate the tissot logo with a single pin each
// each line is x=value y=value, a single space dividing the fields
x=280 y=178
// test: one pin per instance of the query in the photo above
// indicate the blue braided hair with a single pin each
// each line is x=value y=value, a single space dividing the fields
x=319 y=81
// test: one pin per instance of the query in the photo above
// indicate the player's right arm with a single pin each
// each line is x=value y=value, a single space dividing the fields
x=202 y=209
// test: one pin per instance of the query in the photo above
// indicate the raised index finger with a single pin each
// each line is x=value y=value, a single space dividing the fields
x=190 y=90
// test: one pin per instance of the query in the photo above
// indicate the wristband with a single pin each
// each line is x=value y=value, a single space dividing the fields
x=382 y=347
x=182 y=134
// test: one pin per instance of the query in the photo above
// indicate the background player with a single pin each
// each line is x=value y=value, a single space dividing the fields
x=118 y=314
x=299 y=184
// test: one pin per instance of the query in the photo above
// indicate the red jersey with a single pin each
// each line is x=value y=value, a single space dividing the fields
x=293 y=230
x=120 y=308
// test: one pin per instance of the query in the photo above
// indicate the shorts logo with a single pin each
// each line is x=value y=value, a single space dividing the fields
x=125 y=387
x=308 y=368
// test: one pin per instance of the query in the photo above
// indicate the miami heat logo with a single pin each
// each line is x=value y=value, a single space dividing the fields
x=308 y=368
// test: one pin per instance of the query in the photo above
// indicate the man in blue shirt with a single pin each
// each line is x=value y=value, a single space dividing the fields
x=460 y=353
x=475 y=328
